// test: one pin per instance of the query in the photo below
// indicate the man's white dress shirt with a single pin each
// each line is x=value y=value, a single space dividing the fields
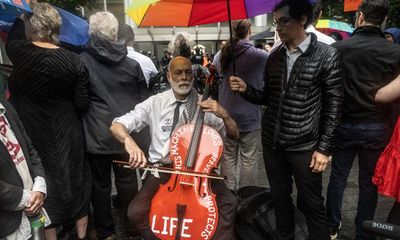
x=157 y=112
x=291 y=57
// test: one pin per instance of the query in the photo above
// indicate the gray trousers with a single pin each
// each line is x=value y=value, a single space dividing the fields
x=245 y=152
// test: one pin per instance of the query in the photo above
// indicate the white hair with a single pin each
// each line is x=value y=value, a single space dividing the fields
x=104 y=25
x=181 y=45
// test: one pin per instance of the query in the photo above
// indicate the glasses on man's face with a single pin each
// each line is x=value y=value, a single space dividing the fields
x=281 y=22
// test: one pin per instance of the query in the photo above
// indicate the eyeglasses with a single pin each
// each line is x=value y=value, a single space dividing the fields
x=281 y=22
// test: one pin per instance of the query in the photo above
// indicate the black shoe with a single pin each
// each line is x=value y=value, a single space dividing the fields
x=333 y=231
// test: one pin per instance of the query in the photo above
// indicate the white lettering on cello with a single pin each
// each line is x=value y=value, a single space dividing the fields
x=211 y=162
x=216 y=138
x=153 y=223
x=185 y=227
x=164 y=232
x=169 y=225
x=211 y=220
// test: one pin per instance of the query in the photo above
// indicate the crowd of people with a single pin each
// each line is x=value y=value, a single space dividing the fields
x=69 y=116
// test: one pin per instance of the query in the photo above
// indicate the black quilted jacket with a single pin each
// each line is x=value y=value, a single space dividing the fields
x=301 y=113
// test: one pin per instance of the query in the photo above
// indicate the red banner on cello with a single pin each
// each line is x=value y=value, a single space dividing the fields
x=351 y=5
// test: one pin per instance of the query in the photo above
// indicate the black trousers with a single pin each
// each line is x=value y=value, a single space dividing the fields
x=280 y=167
x=126 y=184
x=139 y=208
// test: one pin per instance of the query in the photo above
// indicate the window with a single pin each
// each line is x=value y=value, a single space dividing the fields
x=116 y=7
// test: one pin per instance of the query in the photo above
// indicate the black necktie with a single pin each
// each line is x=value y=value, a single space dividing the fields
x=176 y=115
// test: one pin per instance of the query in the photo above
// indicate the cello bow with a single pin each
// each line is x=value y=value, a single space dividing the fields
x=172 y=171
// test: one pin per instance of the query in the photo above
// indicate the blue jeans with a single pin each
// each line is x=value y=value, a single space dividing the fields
x=367 y=140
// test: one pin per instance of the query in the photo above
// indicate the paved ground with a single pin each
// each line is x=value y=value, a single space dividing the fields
x=349 y=201
x=349 y=204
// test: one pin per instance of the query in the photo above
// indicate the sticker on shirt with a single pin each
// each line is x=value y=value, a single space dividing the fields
x=167 y=125
x=10 y=142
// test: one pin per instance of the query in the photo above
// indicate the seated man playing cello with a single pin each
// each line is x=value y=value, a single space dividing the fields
x=160 y=112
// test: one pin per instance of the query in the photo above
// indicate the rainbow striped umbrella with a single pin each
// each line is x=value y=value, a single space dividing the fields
x=336 y=25
x=328 y=26
x=184 y=13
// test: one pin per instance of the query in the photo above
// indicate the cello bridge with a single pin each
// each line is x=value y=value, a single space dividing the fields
x=187 y=184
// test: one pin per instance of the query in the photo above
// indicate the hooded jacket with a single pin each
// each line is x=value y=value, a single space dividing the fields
x=395 y=32
x=250 y=62
x=116 y=85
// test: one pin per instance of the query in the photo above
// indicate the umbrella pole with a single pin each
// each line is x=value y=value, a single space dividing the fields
x=231 y=38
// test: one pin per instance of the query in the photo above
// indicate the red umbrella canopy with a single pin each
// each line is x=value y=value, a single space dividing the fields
x=148 y=13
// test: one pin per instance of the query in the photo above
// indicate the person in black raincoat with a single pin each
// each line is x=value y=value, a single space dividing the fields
x=116 y=85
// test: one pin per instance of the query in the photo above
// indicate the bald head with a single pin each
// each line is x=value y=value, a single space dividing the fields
x=178 y=61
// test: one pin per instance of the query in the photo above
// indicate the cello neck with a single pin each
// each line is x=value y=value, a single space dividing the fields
x=198 y=127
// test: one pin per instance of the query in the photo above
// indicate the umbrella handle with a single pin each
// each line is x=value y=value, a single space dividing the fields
x=231 y=37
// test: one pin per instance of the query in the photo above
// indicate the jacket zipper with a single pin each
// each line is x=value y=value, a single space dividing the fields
x=278 y=123
x=285 y=86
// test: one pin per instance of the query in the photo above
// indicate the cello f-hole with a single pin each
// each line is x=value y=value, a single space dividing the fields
x=170 y=189
x=202 y=195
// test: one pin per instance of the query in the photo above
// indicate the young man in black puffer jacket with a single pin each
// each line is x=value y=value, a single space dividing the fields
x=303 y=92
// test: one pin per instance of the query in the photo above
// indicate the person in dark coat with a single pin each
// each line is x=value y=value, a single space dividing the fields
x=370 y=62
x=49 y=91
x=197 y=57
x=303 y=92
x=22 y=178
x=116 y=85
x=165 y=59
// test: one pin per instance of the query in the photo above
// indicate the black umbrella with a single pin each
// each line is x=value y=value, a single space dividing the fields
x=263 y=35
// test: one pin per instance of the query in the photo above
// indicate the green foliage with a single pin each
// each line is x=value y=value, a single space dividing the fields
x=394 y=14
x=333 y=9
x=72 y=5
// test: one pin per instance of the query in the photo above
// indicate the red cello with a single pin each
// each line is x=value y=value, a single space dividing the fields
x=185 y=207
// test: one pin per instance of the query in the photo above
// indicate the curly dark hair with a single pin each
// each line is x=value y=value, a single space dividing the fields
x=298 y=9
